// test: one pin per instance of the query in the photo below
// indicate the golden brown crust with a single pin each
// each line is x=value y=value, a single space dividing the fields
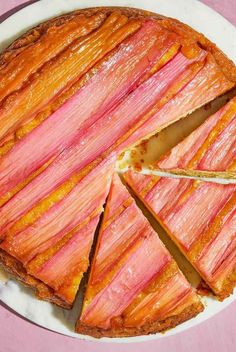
x=227 y=66
x=147 y=329
x=42 y=291
x=35 y=33
x=228 y=286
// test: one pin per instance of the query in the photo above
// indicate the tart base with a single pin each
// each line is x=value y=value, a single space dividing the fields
x=41 y=290
x=152 y=328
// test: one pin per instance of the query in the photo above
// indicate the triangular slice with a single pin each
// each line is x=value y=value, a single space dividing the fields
x=135 y=286
x=200 y=217
x=208 y=151
x=54 y=247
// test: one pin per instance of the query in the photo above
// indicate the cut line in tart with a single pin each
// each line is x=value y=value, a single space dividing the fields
x=135 y=286
x=200 y=217
x=100 y=81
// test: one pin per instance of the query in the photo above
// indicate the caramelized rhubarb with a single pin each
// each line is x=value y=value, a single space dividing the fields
x=130 y=275
x=62 y=266
x=210 y=149
x=117 y=76
x=65 y=69
x=114 y=128
x=210 y=81
x=180 y=204
x=30 y=236
x=54 y=40
x=98 y=84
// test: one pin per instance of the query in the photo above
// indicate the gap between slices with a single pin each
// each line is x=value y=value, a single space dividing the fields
x=130 y=276
x=211 y=245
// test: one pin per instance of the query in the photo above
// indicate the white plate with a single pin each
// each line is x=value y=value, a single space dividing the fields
x=191 y=12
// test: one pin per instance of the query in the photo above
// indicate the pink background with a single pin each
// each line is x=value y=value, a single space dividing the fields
x=217 y=334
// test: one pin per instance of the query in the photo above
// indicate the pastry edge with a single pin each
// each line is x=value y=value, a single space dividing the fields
x=227 y=66
x=41 y=290
x=150 y=328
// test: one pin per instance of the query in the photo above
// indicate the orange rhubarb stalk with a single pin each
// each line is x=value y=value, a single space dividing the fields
x=134 y=284
x=211 y=148
x=200 y=218
x=52 y=41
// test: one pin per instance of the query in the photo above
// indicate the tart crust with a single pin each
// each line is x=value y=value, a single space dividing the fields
x=151 y=328
x=186 y=32
x=42 y=291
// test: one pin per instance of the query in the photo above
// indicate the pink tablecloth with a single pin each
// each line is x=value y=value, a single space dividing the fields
x=217 y=334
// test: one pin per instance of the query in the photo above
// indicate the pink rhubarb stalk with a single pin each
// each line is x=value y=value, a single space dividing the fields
x=219 y=256
x=68 y=67
x=117 y=238
x=128 y=282
x=222 y=153
x=71 y=259
x=207 y=196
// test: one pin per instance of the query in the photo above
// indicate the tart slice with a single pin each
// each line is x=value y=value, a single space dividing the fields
x=135 y=286
x=208 y=151
x=52 y=242
x=200 y=217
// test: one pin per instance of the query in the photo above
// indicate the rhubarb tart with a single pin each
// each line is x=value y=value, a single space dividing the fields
x=99 y=81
